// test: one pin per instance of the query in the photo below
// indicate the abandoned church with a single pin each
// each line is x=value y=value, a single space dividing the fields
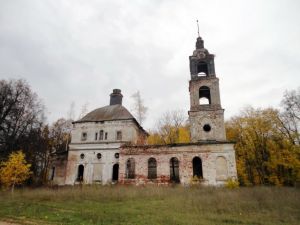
x=108 y=144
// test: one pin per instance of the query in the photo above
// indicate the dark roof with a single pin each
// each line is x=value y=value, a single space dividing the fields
x=110 y=112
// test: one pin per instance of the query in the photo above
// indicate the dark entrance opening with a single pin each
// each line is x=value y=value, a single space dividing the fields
x=115 y=175
x=80 y=173
x=197 y=167
x=174 y=170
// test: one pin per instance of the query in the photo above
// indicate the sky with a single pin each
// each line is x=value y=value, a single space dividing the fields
x=78 y=51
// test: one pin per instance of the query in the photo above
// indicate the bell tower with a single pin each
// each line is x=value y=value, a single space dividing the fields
x=206 y=114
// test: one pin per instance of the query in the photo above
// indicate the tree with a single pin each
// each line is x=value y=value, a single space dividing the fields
x=21 y=112
x=60 y=135
x=170 y=128
x=84 y=110
x=139 y=109
x=264 y=155
x=291 y=115
x=15 y=170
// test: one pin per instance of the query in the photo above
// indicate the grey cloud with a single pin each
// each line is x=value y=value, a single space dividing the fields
x=80 y=50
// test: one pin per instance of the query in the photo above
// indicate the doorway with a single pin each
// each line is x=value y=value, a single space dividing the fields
x=115 y=175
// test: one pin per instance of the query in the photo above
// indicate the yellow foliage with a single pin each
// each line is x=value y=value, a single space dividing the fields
x=172 y=136
x=195 y=181
x=264 y=155
x=232 y=183
x=15 y=170
x=184 y=135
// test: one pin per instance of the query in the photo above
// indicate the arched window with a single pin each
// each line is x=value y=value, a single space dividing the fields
x=130 y=169
x=221 y=168
x=115 y=175
x=204 y=95
x=202 y=68
x=101 y=135
x=174 y=170
x=152 y=172
x=197 y=167
x=80 y=173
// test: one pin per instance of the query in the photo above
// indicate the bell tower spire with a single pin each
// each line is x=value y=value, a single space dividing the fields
x=198 y=28
x=206 y=114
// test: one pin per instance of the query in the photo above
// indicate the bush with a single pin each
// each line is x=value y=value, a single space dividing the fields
x=232 y=183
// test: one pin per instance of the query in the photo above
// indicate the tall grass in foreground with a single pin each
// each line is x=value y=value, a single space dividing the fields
x=153 y=205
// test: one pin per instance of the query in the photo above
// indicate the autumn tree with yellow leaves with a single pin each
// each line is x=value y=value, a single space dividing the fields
x=15 y=170
x=171 y=128
x=265 y=154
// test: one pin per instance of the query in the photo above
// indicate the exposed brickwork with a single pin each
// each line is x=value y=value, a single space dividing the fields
x=185 y=154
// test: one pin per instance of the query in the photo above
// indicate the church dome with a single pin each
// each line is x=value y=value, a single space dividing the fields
x=110 y=112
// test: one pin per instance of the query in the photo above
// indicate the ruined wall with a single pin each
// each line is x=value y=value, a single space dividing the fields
x=208 y=153
x=57 y=169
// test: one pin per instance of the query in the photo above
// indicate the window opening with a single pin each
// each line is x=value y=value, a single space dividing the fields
x=130 y=168
x=101 y=135
x=117 y=155
x=202 y=68
x=204 y=95
x=207 y=128
x=52 y=173
x=152 y=169
x=119 y=135
x=99 y=156
x=105 y=135
x=83 y=136
x=174 y=170
x=82 y=156
x=96 y=136
x=197 y=167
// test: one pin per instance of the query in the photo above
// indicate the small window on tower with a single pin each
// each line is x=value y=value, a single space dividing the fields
x=105 y=136
x=206 y=127
x=96 y=136
x=119 y=135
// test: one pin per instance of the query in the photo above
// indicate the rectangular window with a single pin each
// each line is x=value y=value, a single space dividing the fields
x=83 y=136
x=101 y=135
x=105 y=135
x=96 y=136
x=119 y=135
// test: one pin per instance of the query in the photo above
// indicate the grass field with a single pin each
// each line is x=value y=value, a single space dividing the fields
x=152 y=205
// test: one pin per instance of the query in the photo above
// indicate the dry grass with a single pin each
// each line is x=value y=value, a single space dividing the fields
x=153 y=205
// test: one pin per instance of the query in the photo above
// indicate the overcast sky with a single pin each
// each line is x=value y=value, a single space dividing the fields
x=78 y=50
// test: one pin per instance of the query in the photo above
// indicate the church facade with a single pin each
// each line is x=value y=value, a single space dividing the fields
x=108 y=143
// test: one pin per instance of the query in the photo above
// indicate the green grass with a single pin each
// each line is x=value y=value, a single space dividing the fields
x=152 y=205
